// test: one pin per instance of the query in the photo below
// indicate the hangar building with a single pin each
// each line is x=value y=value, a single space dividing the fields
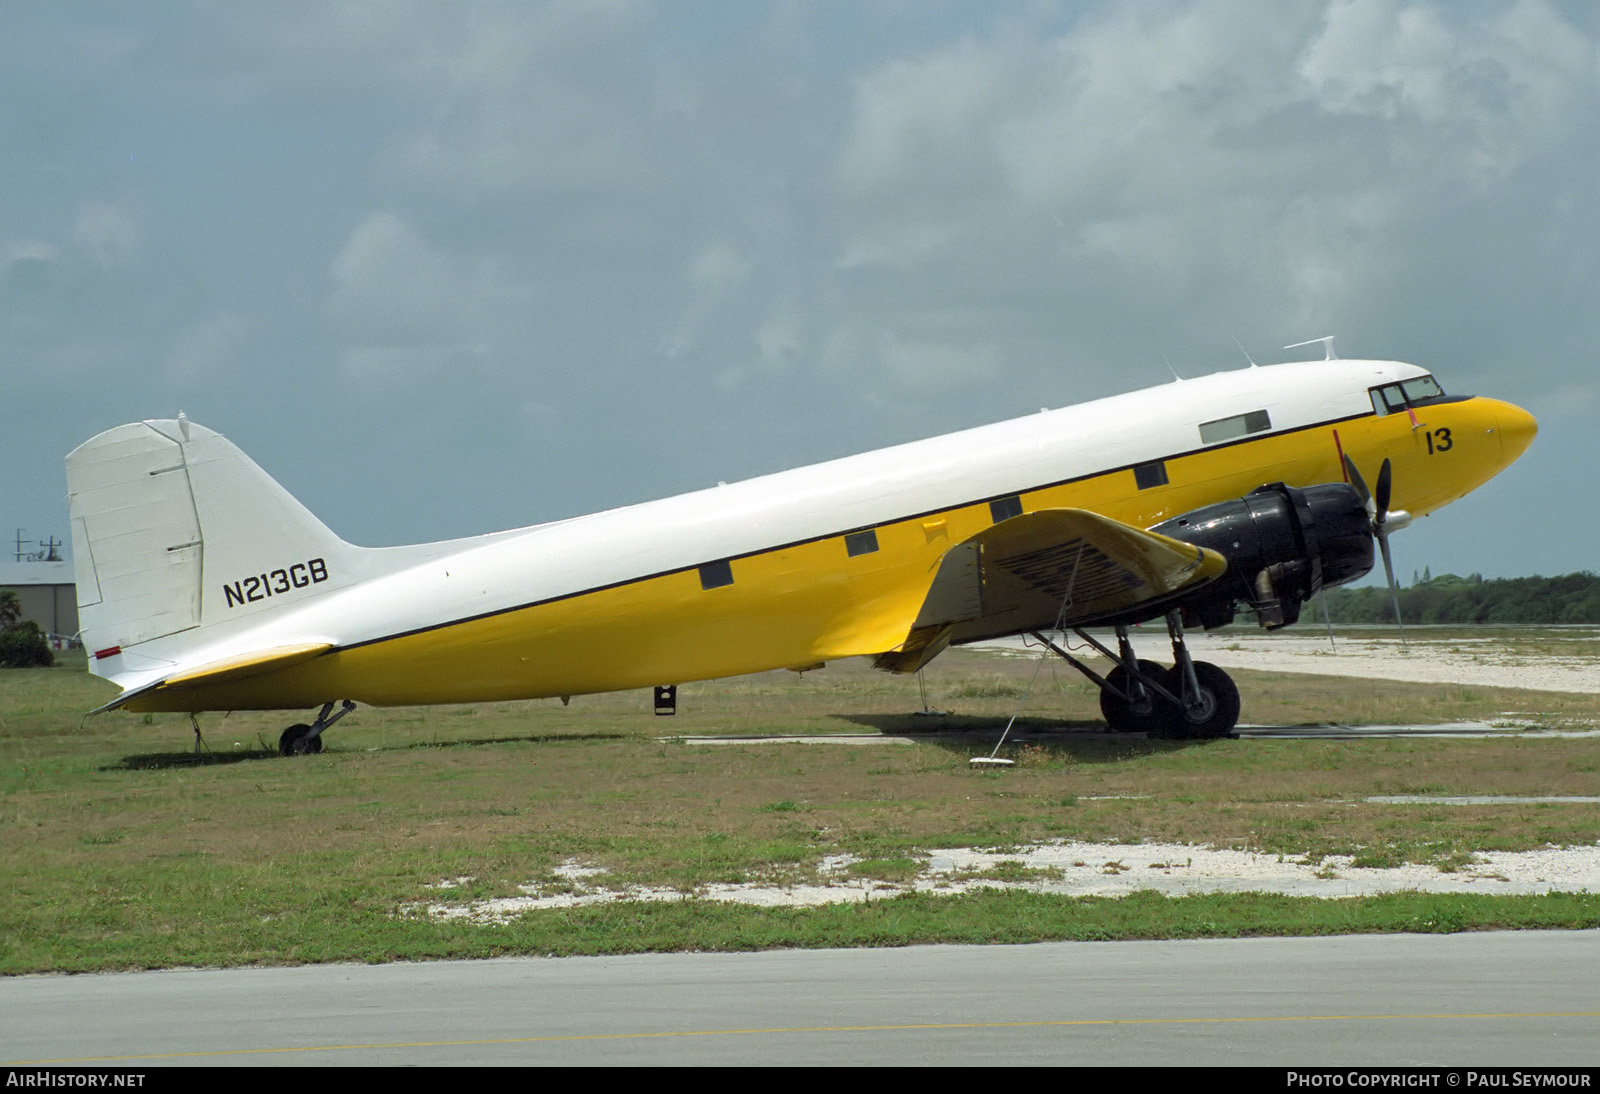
x=48 y=594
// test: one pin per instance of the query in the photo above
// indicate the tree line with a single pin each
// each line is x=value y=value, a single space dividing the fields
x=1448 y=598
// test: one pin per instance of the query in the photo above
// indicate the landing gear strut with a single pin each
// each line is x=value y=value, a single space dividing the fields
x=306 y=740
x=1209 y=703
x=1193 y=699
x=1129 y=706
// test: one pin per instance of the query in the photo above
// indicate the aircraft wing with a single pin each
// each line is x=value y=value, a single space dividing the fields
x=1066 y=567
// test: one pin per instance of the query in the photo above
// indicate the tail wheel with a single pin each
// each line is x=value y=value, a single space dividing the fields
x=1147 y=714
x=298 y=741
x=1216 y=709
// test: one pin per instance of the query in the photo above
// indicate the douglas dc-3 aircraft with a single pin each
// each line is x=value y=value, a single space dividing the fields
x=203 y=585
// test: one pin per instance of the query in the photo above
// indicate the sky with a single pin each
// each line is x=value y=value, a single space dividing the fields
x=445 y=268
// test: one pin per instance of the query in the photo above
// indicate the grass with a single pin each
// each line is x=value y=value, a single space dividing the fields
x=121 y=848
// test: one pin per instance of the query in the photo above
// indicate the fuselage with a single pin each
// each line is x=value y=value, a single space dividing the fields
x=776 y=571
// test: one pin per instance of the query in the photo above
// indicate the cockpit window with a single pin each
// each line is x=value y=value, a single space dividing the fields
x=1394 y=398
x=1421 y=389
x=1387 y=399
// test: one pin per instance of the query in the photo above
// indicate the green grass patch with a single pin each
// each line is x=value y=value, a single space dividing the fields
x=356 y=932
x=120 y=847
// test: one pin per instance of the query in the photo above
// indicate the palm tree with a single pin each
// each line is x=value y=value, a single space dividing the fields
x=10 y=608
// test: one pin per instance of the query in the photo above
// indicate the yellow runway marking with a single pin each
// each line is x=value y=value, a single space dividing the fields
x=1040 y=1024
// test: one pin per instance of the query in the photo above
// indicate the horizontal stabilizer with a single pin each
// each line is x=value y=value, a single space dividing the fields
x=226 y=671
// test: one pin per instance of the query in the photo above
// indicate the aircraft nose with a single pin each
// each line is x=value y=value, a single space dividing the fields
x=1517 y=430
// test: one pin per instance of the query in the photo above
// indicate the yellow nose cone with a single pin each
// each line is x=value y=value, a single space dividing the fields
x=1517 y=430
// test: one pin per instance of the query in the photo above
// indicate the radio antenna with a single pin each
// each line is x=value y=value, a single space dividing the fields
x=1327 y=346
x=1244 y=351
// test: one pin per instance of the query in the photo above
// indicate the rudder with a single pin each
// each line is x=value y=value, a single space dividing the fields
x=173 y=528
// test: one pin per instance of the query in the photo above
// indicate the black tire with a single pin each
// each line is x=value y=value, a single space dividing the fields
x=297 y=741
x=1147 y=715
x=1218 y=710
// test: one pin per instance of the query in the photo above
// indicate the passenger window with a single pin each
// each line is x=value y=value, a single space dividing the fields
x=1240 y=425
x=714 y=575
x=1147 y=475
x=1005 y=508
x=861 y=543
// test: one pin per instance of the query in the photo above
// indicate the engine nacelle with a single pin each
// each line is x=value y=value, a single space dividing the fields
x=1282 y=544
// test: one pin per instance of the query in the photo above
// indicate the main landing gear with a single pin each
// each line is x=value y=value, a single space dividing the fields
x=1193 y=699
x=306 y=740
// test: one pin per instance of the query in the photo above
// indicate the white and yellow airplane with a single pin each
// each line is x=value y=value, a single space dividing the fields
x=203 y=585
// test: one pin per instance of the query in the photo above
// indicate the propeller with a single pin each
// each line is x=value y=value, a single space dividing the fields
x=1384 y=520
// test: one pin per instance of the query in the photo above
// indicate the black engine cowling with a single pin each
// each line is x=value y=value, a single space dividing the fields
x=1282 y=545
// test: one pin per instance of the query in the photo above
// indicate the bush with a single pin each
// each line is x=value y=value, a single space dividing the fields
x=24 y=647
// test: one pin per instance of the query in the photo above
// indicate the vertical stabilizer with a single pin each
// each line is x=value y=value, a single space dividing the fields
x=136 y=545
x=174 y=528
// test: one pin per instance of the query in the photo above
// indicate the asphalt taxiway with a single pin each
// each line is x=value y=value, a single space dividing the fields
x=1523 y=998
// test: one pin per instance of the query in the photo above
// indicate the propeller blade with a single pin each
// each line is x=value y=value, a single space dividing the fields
x=1394 y=590
x=1359 y=484
x=1378 y=513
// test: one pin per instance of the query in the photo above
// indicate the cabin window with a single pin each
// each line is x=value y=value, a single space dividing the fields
x=1005 y=508
x=1147 y=475
x=714 y=575
x=1240 y=425
x=861 y=543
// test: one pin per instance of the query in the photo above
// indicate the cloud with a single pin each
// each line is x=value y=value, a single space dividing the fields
x=937 y=364
x=405 y=306
x=25 y=271
x=1274 y=165
x=81 y=298
x=1470 y=97
x=898 y=246
x=405 y=363
x=109 y=235
x=714 y=283
x=936 y=109
x=207 y=349
x=755 y=235
x=537 y=99
x=780 y=340
x=387 y=280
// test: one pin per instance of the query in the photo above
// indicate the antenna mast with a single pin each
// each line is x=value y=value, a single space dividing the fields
x=1327 y=346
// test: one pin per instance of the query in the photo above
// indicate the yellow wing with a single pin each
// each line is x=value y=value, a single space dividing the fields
x=1057 y=566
